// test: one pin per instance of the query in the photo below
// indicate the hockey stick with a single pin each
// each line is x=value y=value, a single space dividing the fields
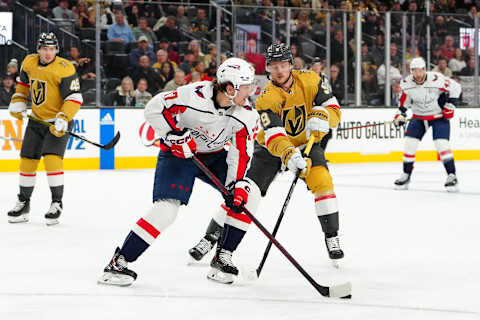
x=107 y=146
x=11 y=139
x=338 y=291
x=284 y=208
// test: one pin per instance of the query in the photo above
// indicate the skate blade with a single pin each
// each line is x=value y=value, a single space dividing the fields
x=220 y=277
x=404 y=187
x=51 y=222
x=19 y=219
x=120 y=280
x=452 y=189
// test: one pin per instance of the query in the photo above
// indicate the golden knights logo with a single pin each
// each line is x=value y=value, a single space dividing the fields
x=294 y=120
x=39 y=91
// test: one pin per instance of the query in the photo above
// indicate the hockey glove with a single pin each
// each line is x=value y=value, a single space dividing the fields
x=60 y=126
x=182 y=144
x=18 y=110
x=294 y=161
x=400 y=118
x=448 y=111
x=238 y=199
x=317 y=124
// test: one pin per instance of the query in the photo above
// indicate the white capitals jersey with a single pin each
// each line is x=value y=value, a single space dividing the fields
x=423 y=98
x=194 y=107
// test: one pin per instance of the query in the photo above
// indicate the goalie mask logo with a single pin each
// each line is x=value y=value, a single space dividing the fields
x=39 y=91
x=294 y=120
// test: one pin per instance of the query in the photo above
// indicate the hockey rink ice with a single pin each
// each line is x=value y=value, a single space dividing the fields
x=409 y=254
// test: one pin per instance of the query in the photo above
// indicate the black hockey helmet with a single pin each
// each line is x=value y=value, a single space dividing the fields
x=278 y=52
x=47 y=40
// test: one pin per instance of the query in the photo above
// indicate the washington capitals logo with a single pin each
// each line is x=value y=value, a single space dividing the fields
x=199 y=92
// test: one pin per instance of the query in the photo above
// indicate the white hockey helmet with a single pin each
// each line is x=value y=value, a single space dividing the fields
x=237 y=71
x=417 y=63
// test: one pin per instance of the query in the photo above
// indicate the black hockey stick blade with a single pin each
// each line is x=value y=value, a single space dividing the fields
x=112 y=143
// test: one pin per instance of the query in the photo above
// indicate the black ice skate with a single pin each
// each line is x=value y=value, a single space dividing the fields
x=54 y=213
x=402 y=182
x=334 y=251
x=116 y=272
x=452 y=183
x=222 y=268
x=20 y=213
x=202 y=248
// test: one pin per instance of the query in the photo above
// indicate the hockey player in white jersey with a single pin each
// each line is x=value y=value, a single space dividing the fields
x=432 y=98
x=199 y=118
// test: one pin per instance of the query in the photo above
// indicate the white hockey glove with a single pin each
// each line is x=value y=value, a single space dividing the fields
x=294 y=161
x=317 y=123
x=18 y=110
x=60 y=126
x=448 y=111
x=400 y=118
x=182 y=144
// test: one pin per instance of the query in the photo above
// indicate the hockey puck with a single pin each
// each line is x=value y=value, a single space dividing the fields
x=347 y=297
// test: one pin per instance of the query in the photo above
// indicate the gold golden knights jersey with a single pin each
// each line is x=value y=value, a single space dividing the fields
x=284 y=114
x=53 y=88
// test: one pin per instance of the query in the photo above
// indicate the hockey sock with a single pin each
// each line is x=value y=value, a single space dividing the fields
x=27 y=183
x=408 y=167
x=449 y=166
x=329 y=224
x=54 y=168
x=214 y=230
x=231 y=238
x=133 y=247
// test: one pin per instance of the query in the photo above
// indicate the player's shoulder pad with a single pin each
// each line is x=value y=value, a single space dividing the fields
x=435 y=79
x=306 y=77
x=29 y=61
x=64 y=68
x=407 y=83
x=270 y=98
x=246 y=116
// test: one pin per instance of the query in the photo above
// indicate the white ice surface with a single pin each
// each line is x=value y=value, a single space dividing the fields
x=409 y=254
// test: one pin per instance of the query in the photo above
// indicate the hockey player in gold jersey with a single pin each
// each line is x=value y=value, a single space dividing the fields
x=54 y=88
x=293 y=106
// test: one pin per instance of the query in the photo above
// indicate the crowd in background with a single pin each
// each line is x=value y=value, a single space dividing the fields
x=163 y=45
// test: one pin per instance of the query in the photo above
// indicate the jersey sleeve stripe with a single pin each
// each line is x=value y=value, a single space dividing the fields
x=24 y=84
x=403 y=97
x=273 y=137
x=243 y=158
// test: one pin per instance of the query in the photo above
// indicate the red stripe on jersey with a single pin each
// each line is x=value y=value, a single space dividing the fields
x=403 y=97
x=443 y=90
x=224 y=207
x=168 y=115
x=28 y=174
x=75 y=101
x=148 y=227
x=24 y=84
x=330 y=196
x=333 y=106
x=243 y=158
x=54 y=173
x=409 y=155
x=445 y=152
x=239 y=216
x=273 y=137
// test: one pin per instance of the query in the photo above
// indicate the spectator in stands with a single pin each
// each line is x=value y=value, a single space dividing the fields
x=295 y=50
x=177 y=81
x=188 y=60
x=182 y=21
x=470 y=18
x=162 y=58
x=194 y=46
x=142 y=50
x=211 y=57
x=173 y=55
x=395 y=92
x=200 y=23
x=366 y=55
x=436 y=55
x=456 y=64
x=212 y=70
x=85 y=17
x=372 y=26
x=469 y=70
x=378 y=50
x=298 y=63
x=443 y=68
x=469 y=53
x=198 y=67
x=395 y=57
x=170 y=31
x=144 y=30
x=337 y=49
x=303 y=25
x=133 y=15
x=85 y=69
x=448 y=49
x=7 y=90
x=120 y=31
x=195 y=77
x=316 y=65
x=370 y=90
x=143 y=70
x=43 y=9
x=107 y=18
x=166 y=72
x=440 y=28
x=337 y=83
x=253 y=56
x=142 y=96
x=62 y=12
x=12 y=69
x=381 y=75
x=124 y=95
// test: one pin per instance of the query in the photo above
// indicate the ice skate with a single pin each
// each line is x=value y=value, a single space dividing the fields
x=52 y=215
x=452 y=183
x=20 y=213
x=201 y=249
x=222 y=268
x=402 y=182
x=116 y=272
x=334 y=251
